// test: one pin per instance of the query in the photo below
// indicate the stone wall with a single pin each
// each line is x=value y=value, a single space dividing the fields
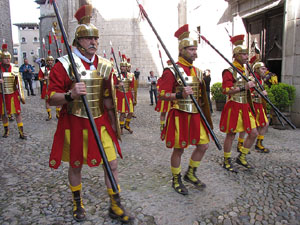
x=5 y=24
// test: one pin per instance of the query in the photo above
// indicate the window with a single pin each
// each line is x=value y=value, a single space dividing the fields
x=35 y=39
x=24 y=55
x=23 y=40
x=15 y=51
x=32 y=52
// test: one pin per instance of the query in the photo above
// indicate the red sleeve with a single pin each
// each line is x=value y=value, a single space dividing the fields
x=227 y=81
x=132 y=83
x=167 y=82
x=41 y=74
x=59 y=79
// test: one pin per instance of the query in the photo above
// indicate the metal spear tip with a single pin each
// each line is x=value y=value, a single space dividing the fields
x=110 y=43
x=53 y=31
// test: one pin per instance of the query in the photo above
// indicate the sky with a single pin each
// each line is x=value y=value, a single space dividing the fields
x=23 y=11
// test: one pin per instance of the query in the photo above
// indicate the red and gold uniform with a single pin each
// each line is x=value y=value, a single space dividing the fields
x=44 y=70
x=12 y=98
x=162 y=105
x=184 y=127
x=11 y=82
x=74 y=141
x=128 y=80
x=237 y=115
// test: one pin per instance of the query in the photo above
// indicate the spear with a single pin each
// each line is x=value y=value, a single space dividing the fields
x=119 y=73
x=143 y=12
x=245 y=78
x=120 y=54
x=44 y=48
x=84 y=100
x=160 y=57
x=56 y=43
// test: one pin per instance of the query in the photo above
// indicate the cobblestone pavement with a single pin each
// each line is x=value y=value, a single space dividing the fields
x=32 y=193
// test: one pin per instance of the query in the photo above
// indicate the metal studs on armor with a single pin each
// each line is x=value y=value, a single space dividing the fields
x=183 y=143
x=169 y=144
x=83 y=73
x=77 y=163
x=194 y=141
x=94 y=161
x=98 y=73
x=52 y=162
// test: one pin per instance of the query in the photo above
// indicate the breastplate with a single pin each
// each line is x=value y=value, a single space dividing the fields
x=126 y=82
x=187 y=104
x=93 y=80
x=240 y=97
x=9 y=83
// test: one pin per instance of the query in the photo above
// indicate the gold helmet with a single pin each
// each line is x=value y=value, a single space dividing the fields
x=49 y=57
x=5 y=54
x=238 y=41
x=85 y=28
x=124 y=61
x=183 y=37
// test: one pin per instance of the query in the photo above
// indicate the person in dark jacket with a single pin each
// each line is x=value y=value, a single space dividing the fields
x=27 y=71
x=207 y=80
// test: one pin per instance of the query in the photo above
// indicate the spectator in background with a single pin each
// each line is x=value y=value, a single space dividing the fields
x=152 y=80
x=27 y=72
x=207 y=80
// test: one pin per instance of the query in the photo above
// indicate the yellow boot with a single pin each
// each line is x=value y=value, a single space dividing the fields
x=116 y=210
x=259 y=145
x=78 y=208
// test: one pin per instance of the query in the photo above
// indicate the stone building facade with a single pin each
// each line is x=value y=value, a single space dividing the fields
x=5 y=25
x=28 y=34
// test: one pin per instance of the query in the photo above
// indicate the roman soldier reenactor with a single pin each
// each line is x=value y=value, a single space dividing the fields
x=74 y=141
x=44 y=77
x=11 y=80
x=184 y=126
x=237 y=115
x=125 y=86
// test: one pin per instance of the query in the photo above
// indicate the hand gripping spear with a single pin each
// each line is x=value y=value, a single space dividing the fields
x=3 y=94
x=245 y=78
x=83 y=98
x=119 y=73
x=180 y=76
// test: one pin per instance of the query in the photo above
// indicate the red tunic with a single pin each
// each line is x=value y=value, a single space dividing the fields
x=260 y=112
x=121 y=102
x=76 y=126
x=190 y=125
x=162 y=105
x=12 y=101
x=42 y=77
x=230 y=113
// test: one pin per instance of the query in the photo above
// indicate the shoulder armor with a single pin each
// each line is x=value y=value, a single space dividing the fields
x=67 y=65
x=104 y=67
x=14 y=69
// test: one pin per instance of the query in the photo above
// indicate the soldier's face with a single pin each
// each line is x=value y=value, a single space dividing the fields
x=262 y=70
x=50 y=62
x=123 y=69
x=6 y=61
x=189 y=53
x=90 y=44
x=242 y=58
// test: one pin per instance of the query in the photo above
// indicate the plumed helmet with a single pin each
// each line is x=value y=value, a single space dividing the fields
x=182 y=34
x=238 y=41
x=49 y=57
x=124 y=61
x=255 y=63
x=128 y=62
x=5 y=54
x=84 y=28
